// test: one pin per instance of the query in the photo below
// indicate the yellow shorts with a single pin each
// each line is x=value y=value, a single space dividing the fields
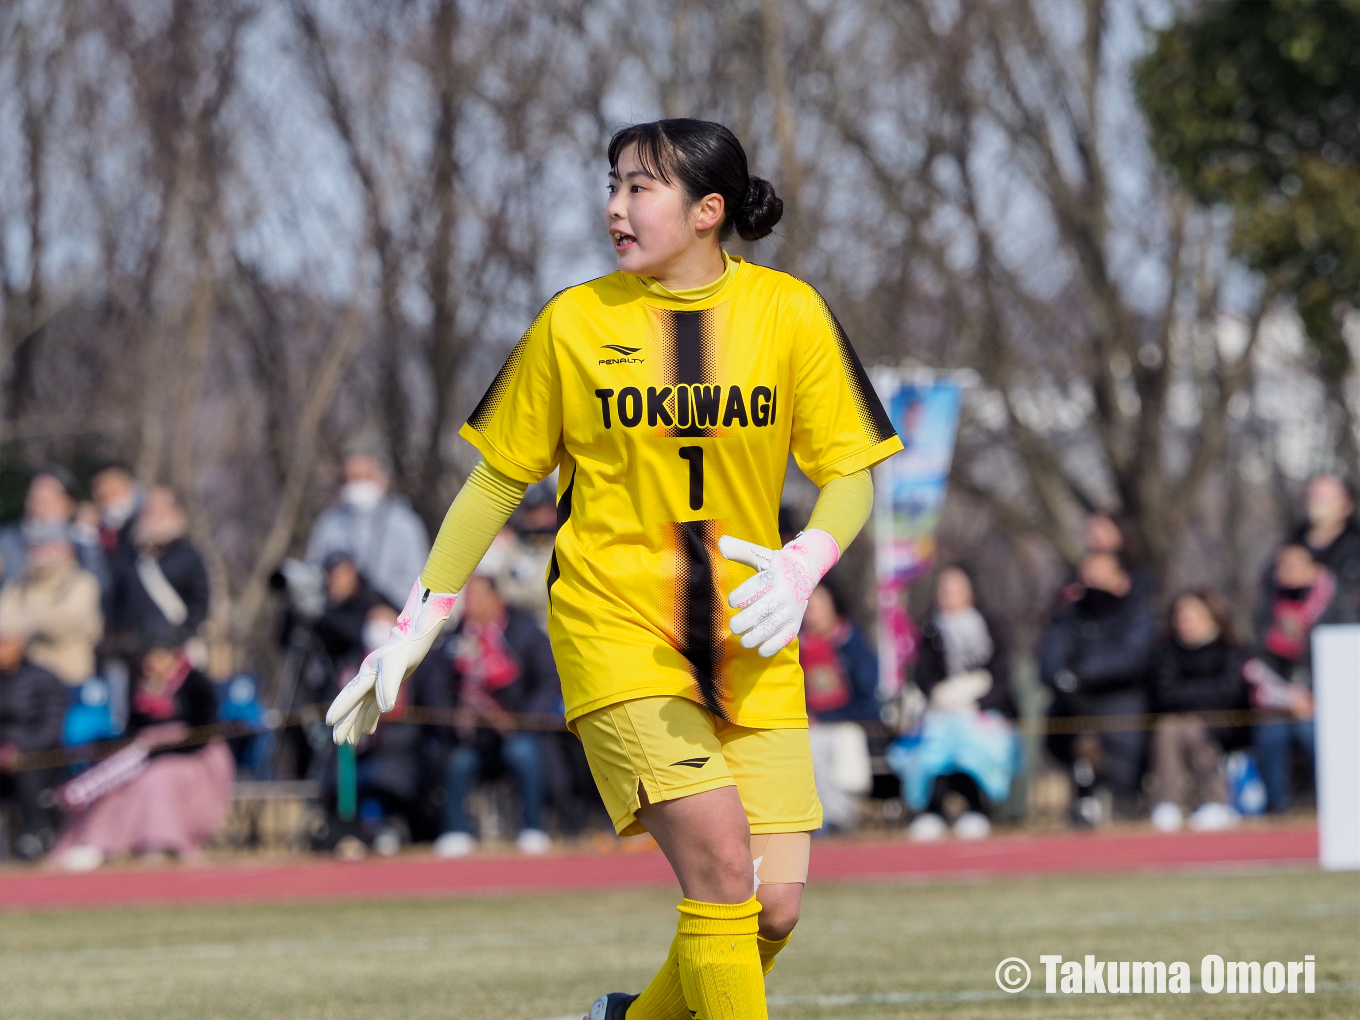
x=674 y=747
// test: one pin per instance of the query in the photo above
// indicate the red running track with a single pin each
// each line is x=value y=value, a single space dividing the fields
x=413 y=877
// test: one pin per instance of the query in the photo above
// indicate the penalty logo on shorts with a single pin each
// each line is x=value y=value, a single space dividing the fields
x=694 y=763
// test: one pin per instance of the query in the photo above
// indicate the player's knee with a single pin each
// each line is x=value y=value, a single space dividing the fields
x=778 y=919
x=731 y=872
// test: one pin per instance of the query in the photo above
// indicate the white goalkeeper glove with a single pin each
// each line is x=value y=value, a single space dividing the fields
x=773 y=602
x=355 y=710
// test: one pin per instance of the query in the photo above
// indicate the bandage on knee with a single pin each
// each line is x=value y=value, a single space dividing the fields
x=781 y=856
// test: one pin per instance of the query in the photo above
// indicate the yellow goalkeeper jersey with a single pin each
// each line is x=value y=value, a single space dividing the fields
x=672 y=422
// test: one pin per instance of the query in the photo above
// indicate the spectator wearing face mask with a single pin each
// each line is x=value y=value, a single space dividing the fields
x=49 y=502
x=389 y=764
x=1096 y=657
x=56 y=602
x=117 y=501
x=162 y=582
x=347 y=627
x=1302 y=596
x=375 y=528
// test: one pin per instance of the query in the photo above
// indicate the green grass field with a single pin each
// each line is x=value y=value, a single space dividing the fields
x=865 y=951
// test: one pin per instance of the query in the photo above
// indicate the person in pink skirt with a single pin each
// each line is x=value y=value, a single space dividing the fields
x=158 y=795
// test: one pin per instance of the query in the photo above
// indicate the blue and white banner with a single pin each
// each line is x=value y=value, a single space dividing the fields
x=909 y=491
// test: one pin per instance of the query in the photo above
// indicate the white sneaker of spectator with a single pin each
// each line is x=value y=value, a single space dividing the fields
x=81 y=858
x=972 y=825
x=454 y=844
x=1213 y=817
x=387 y=843
x=926 y=828
x=533 y=841
x=1166 y=817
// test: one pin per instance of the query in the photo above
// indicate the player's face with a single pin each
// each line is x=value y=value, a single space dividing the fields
x=651 y=224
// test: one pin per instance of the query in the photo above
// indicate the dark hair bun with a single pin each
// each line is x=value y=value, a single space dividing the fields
x=760 y=211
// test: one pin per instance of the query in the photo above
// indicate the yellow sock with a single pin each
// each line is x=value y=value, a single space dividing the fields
x=663 y=999
x=719 y=962
x=769 y=949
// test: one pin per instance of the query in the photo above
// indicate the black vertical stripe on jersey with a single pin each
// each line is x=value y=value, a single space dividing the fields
x=563 y=513
x=688 y=349
x=700 y=612
x=872 y=418
x=485 y=410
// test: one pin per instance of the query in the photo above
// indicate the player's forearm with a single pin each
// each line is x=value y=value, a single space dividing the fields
x=843 y=507
x=482 y=507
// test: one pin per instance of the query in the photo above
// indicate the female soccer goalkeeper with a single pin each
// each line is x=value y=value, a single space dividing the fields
x=669 y=396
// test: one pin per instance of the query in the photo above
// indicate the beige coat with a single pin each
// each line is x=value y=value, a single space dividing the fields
x=58 y=607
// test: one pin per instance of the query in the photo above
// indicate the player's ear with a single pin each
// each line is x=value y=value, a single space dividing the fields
x=708 y=212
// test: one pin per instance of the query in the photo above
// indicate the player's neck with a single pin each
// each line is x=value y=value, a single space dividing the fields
x=691 y=269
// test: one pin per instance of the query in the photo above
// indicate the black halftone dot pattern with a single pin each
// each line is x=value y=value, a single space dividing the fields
x=698 y=609
x=873 y=419
x=689 y=347
x=491 y=400
x=563 y=514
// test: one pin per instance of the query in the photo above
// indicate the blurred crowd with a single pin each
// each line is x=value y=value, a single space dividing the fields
x=103 y=607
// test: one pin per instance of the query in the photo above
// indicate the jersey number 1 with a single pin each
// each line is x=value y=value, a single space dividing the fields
x=695 y=456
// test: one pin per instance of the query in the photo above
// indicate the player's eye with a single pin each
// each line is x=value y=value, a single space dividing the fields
x=613 y=188
x=636 y=188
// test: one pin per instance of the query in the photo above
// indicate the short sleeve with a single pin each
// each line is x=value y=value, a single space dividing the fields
x=839 y=425
x=517 y=425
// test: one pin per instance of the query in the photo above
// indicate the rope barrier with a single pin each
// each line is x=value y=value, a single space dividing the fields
x=461 y=718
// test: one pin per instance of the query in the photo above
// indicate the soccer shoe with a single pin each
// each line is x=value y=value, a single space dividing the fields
x=613 y=1006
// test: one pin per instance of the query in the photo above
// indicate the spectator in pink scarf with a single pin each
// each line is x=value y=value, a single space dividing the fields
x=1280 y=674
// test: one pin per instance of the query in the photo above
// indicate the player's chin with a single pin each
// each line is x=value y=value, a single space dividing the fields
x=634 y=262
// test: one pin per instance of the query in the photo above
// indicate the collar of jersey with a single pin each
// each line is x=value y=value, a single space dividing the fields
x=693 y=298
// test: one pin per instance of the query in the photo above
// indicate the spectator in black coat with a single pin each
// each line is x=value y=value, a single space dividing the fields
x=1332 y=535
x=349 y=601
x=392 y=763
x=165 y=584
x=501 y=665
x=1199 y=670
x=117 y=502
x=1096 y=657
x=32 y=711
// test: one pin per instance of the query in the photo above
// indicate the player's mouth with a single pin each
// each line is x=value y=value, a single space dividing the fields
x=622 y=241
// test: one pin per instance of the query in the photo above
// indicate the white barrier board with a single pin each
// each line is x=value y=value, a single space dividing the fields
x=1336 y=690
